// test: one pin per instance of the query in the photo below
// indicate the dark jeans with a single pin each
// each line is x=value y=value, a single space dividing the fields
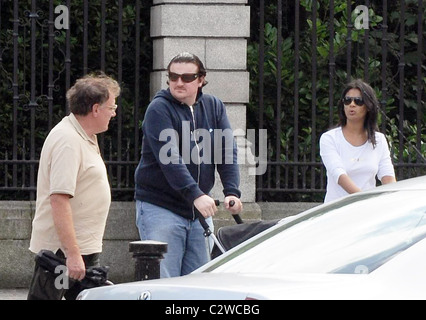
x=43 y=286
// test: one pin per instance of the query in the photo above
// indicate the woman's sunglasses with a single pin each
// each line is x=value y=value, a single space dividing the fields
x=348 y=100
x=186 y=77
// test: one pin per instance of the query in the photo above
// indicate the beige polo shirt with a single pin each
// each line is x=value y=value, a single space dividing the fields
x=71 y=163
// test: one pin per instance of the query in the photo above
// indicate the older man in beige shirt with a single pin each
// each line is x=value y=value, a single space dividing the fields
x=73 y=192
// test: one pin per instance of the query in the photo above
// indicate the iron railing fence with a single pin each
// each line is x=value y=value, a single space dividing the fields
x=298 y=69
x=41 y=57
x=293 y=93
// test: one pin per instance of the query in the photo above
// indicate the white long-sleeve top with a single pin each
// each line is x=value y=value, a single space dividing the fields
x=361 y=163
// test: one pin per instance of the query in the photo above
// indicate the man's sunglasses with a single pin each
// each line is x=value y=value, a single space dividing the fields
x=186 y=77
x=348 y=100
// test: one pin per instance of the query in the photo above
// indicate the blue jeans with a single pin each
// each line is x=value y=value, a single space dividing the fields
x=187 y=247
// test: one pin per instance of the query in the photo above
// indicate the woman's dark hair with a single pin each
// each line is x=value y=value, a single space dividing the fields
x=186 y=57
x=372 y=104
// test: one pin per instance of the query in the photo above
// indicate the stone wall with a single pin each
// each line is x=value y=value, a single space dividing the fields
x=17 y=262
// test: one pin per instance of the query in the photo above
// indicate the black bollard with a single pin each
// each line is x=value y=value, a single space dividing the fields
x=148 y=255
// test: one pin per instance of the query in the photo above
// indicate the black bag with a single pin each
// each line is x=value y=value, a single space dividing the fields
x=95 y=277
x=48 y=260
x=43 y=283
x=231 y=236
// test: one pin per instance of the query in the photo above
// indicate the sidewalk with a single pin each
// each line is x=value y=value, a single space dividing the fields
x=13 y=294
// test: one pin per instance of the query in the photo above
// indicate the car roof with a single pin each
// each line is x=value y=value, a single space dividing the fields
x=416 y=183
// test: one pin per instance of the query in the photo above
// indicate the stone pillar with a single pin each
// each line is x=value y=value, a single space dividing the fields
x=217 y=33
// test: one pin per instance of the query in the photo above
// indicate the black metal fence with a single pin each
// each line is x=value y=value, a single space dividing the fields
x=301 y=67
x=297 y=71
x=44 y=47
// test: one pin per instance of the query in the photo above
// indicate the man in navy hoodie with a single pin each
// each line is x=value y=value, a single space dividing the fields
x=186 y=137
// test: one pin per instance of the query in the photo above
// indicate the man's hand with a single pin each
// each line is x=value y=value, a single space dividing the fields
x=76 y=267
x=205 y=205
x=237 y=204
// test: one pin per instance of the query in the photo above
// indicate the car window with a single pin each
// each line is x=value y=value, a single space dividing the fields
x=355 y=235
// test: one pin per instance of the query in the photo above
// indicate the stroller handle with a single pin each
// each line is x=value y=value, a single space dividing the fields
x=236 y=217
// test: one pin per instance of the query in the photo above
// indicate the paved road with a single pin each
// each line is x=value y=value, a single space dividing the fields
x=13 y=294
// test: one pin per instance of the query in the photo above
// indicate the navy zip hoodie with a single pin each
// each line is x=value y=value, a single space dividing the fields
x=181 y=148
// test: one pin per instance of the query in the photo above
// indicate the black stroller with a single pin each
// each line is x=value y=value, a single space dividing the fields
x=231 y=236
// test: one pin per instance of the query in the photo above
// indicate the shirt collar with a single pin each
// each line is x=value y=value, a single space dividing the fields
x=81 y=131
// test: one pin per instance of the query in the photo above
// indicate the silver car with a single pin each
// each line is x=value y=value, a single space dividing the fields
x=369 y=245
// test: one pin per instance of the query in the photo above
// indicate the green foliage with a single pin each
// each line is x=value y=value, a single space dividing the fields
x=16 y=116
x=307 y=113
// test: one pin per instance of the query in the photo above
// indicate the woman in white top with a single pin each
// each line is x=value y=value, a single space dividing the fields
x=355 y=152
